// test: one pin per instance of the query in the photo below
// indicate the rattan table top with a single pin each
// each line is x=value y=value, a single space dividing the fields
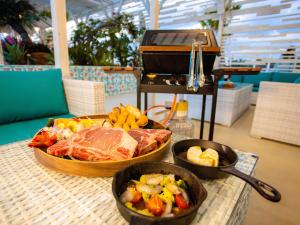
x=32 y=194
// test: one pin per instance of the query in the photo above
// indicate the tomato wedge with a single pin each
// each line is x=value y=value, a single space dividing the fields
x=155 y=205
x=181 y=202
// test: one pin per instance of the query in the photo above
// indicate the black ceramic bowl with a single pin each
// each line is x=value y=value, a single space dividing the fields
x=196 y=191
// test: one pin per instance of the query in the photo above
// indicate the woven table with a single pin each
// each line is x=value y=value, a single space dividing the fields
x=32 y=194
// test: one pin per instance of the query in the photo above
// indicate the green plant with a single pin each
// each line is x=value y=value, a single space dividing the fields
x=110 y=42
x=210 y=24
x=214 y=24
x=80 y=54
x=15 y=54
x=19 y=15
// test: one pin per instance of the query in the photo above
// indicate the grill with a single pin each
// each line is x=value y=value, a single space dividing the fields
x=181 y=62
x=168 y=51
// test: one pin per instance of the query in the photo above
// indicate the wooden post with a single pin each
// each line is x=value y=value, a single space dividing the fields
x=1 y=55
x=154 y=13
x=154 y=24
x=59 y=26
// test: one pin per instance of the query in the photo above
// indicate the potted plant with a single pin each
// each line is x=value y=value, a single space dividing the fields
x=38 y=53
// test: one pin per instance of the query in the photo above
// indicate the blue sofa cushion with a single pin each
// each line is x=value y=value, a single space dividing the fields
x=22 y=130
x=285 y=77
x=256 y=79
x=236 y=78
x=29 y=95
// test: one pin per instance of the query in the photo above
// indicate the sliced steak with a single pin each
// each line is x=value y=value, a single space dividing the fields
x=96 y=143
x=149 y=139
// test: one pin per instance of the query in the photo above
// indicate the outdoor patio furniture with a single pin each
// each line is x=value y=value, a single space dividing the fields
x=37 y=195
x=29 y=99
x=231 y=104
x=277 y=112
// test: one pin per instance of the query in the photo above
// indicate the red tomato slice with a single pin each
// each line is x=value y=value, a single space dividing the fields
x=180 y=202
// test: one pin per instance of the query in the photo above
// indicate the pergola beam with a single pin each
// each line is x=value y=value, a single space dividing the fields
x=59 y=26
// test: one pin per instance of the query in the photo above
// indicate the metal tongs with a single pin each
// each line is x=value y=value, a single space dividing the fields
x=191 y=77
x=201 y=76
x=196 y=80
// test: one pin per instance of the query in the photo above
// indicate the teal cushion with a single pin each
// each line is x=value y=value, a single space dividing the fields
x=297 y=81
x=236 y=78
x=256 y=79
x=29 y=95
x=285 y=77
x=22 y=130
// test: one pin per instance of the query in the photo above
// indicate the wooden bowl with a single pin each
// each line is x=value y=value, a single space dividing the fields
x=102 y=168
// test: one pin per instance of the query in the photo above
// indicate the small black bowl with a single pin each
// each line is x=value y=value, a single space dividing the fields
x=228 y=158
x=196 y=191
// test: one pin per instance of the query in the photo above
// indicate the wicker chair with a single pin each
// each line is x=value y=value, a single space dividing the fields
x=277 y=112
x=84 y=97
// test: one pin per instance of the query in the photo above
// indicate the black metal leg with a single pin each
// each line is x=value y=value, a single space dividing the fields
x=213 y=111
x=146 y=101
x=138 y=97
x=137 y=74
x=202 y=116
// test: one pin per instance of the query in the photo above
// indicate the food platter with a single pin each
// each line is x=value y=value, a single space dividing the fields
x=101 y=168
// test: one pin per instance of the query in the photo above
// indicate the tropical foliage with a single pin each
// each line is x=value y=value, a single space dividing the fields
x=110 y=42
x=19 y=15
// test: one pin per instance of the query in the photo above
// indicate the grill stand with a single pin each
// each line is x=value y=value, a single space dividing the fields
x=208 y=89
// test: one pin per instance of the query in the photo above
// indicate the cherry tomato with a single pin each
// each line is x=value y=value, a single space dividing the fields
x=181 y=202
x=155 y=205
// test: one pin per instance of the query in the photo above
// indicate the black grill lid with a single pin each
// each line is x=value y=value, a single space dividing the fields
x=168 y=51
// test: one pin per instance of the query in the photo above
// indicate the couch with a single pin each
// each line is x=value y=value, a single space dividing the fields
x=28 y=99
x=264 y=76
x=277 y=112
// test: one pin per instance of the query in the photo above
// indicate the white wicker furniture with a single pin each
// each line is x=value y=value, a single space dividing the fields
x=231 y=104
x=277 y=112
x=84 y=97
